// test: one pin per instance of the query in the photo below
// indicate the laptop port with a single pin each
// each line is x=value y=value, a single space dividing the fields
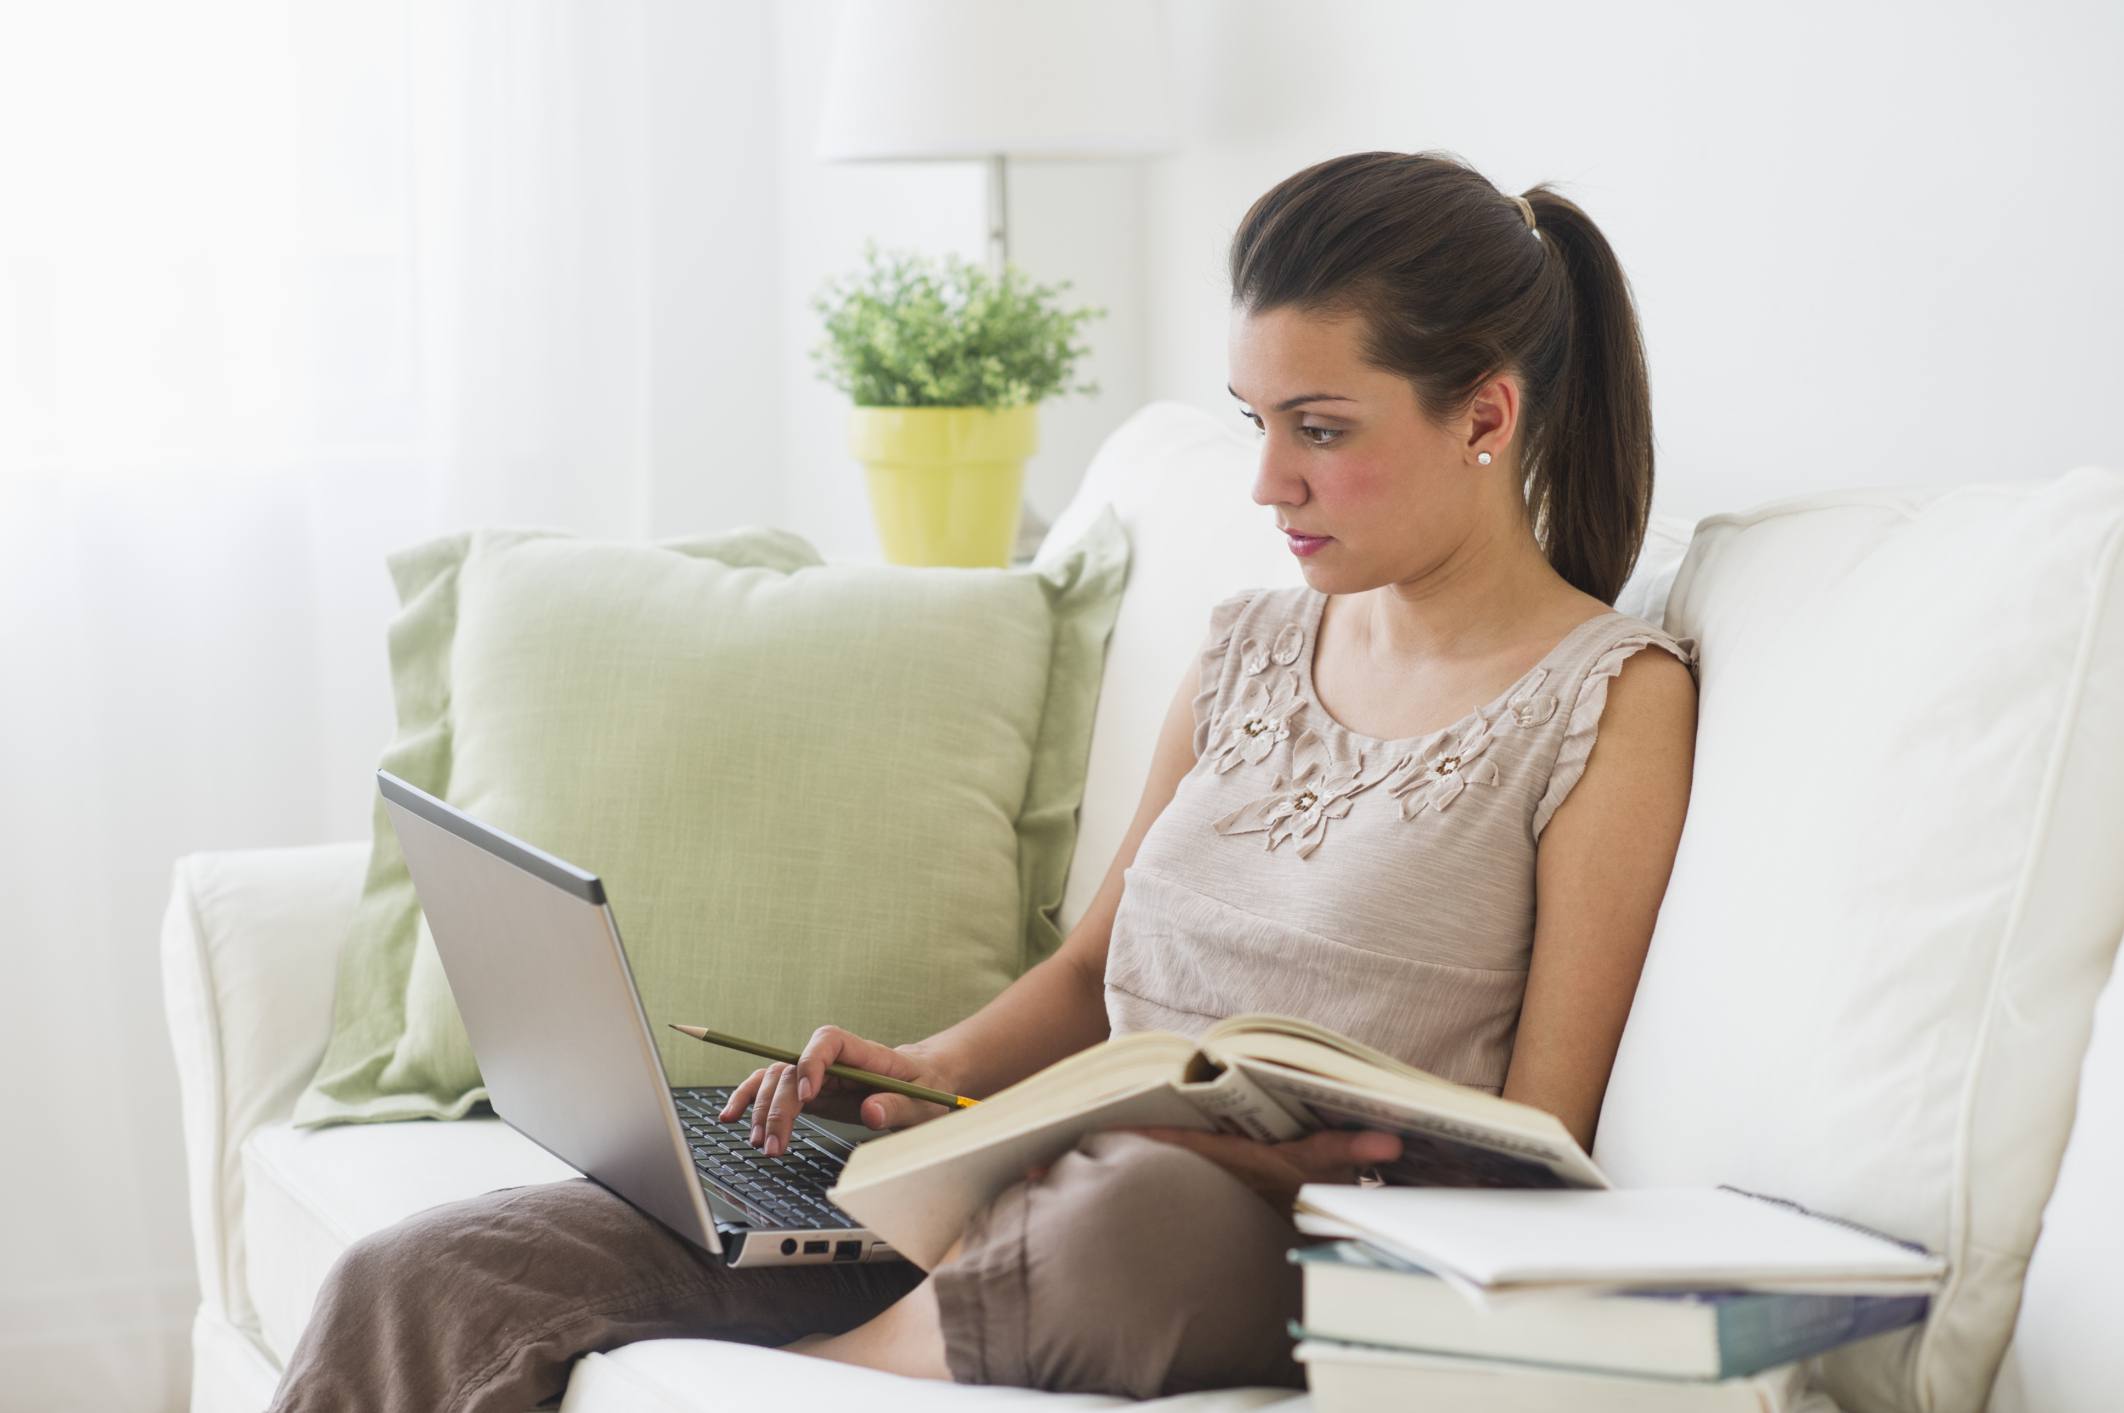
x=789 y=1246
x=848 y=1251
x=814 y=1248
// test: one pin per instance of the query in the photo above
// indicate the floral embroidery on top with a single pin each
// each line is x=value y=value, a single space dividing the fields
x=1438 y=780
x=1258 y=722
x=1316 y=785
x=1530 y=709
x=1319 y=789
x=1254 y=659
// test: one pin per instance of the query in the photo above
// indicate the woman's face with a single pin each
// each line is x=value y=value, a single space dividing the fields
x=1396 y=493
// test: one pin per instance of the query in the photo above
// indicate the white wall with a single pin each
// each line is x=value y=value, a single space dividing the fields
x=715 y=232
x=1869 y=242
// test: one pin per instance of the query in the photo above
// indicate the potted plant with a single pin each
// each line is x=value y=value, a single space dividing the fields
x=946 y=366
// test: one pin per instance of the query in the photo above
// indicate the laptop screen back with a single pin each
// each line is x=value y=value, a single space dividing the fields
x=534 y=961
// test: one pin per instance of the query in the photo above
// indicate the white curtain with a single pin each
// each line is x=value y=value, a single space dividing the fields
x=284 y=285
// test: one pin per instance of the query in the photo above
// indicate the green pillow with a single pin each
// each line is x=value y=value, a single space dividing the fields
x=816 y=793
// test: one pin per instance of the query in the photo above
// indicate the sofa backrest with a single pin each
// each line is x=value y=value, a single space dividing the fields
x=1181 y=482
x=1897 y=892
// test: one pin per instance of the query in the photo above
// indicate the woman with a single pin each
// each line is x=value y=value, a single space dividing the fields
x=1451 y=391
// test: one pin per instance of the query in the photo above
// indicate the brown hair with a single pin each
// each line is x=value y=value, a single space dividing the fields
x=1452 y=289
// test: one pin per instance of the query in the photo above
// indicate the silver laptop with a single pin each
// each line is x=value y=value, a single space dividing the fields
x=534 y=960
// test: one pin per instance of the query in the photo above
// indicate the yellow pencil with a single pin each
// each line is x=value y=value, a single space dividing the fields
x=875 y=1081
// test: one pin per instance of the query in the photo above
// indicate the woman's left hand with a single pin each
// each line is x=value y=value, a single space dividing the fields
x=1276 y=1170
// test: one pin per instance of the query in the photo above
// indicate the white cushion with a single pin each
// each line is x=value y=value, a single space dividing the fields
x=2066 y=1356
x=1181 y=483
x=310 y=1194
x=1644 y=594
x=1897 y=891
x=709 y=1376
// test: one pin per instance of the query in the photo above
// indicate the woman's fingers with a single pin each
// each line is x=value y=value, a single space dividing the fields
x=1335 y=1154
x=741 y=1095
x=761 y=1097
x=1251 y=1159
x=782 y=1107
x=831 y=1045
x=1325 y=1155
x=778 y=1092
x=1374 y=1146
x=883 y=1111
x=823 y=1049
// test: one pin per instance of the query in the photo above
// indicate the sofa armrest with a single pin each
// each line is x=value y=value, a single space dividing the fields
x=250 y=949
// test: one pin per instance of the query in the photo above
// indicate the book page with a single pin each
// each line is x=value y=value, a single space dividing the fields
x=1237 y=1034
x=1236 y=1103
x=1299 y=1052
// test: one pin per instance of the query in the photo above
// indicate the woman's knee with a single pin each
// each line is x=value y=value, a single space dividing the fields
x=553 y=1240
x=372 y=1266
x=1123 y=1200
x=426 y=1245
x=1168 y=1263
x=1148 y=1172
x=484 y=1292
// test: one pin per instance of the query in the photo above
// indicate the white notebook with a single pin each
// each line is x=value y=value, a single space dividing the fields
x=1489 y=1241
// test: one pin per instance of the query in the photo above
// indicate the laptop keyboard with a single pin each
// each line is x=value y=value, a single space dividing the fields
x=784 y=1191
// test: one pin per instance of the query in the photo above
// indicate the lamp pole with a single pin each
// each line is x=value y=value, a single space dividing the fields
x=1032 y=527
x=998 y=218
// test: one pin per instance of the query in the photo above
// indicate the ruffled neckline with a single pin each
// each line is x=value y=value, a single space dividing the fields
x=1317 y=609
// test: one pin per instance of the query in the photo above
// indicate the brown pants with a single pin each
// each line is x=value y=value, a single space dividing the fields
x=1131 y=1267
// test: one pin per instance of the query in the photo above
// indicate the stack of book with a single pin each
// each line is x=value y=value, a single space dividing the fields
x=1647 y=1299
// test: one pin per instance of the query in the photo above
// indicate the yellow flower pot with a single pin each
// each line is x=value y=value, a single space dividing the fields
x=945 y=482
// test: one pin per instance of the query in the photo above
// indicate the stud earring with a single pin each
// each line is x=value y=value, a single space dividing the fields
x=1484 y=458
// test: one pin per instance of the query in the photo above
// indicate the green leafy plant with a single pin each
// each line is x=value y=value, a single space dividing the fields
x=913 y=332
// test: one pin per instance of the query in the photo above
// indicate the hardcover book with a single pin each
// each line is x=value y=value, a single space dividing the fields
x=1358 y=1294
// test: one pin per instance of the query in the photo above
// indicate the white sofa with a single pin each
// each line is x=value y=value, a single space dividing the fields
x=1872 y=988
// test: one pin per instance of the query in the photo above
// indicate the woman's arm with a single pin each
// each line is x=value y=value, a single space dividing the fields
x=1059 y=1007
x=1600 y=872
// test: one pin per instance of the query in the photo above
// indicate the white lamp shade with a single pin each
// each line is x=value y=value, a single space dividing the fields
x=928 y=79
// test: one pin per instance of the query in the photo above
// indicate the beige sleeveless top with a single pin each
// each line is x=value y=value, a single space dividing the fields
x=1382 y=888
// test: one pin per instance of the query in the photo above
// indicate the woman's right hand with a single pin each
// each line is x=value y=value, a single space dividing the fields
x=779 y=1091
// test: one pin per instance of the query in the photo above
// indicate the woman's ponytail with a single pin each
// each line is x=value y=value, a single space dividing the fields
x=1589 y=461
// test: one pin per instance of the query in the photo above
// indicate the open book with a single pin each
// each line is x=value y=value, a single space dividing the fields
x=1266 y=1076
